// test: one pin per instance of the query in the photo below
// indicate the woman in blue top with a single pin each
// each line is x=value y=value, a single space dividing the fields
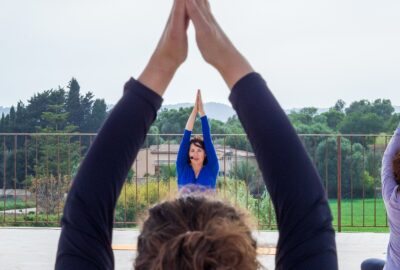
x=197 y=162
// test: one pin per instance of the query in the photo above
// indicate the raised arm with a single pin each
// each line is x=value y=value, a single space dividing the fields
x=86 y=235
x=306 y=236
x=181 y=159
x=192 y=117
x=208 y=144
x=387 y=176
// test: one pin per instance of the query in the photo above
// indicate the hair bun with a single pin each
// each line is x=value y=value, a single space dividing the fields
x=219 y=246
x=197 y=233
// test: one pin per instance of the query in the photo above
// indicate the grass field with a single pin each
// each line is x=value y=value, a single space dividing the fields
x=360 y=215
x=19 y=204
x=356 y=216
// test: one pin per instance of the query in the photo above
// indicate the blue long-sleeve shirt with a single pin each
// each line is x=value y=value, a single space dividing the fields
x=208 y=174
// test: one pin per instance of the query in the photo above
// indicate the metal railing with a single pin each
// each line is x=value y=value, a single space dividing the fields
x=36 y=170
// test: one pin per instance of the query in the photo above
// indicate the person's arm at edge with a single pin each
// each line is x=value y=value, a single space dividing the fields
x=89 y=210
x=85 y=240
x=387 y=175
x=294 y=185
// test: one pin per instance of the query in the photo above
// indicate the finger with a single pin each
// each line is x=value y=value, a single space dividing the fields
x=206 y=10
x=179 y=18
x=207 y=4
x=196 y=14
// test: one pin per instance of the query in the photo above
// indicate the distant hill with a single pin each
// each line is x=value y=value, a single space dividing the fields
x=214 y=110
x=319 y=110
x=322 y=110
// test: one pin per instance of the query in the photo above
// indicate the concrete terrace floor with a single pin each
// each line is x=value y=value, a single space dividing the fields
x=35 y=248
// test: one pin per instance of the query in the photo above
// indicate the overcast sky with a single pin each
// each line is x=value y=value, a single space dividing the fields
x=311 y=52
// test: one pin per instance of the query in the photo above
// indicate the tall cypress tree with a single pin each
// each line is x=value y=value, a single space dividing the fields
x=98 y=115
x=2 y=123
x=73 y=103
x=12 y=119
x=86 y=108
x=20 y=117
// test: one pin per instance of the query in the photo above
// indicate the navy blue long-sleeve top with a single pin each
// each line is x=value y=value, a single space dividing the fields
x=306 y=241
x=209 y=172
x=306 y=237
x=87 y=222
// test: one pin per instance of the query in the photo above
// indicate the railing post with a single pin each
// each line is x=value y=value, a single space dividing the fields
x=339 y=181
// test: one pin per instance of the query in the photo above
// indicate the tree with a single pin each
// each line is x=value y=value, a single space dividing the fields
x=361 y=123
x=361 y=106
x=3 y=123
x=339 y=106
x=304 y=116
x=86 y=109
x=383 y=108
x=73 y=103
x=392 y=123
x=97 y=116
x=12 y=118
x=167 y=171
x=238 y=141
x=50 y=193
x=249 y=173
x=333 y=118
x=38 y=104
x=55 y=117
x=154 y=137
x=353 y=164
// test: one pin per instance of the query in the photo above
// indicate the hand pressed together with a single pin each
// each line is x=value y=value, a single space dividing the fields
x=213 y=43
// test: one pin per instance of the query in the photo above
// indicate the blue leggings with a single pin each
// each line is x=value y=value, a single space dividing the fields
x=372 y=264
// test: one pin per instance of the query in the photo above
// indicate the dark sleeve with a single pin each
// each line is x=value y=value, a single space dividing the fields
x=208 y=144
x=85 y=241
x=306 y=237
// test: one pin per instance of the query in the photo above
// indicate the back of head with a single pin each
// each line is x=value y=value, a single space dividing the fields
x=396 y=167
x=195 y=233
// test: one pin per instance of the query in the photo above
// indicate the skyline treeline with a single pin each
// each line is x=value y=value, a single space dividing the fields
x=67 y=110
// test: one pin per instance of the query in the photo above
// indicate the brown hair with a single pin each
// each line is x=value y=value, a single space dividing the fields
x=396 y=167
x=197 y=233
x=198 y=141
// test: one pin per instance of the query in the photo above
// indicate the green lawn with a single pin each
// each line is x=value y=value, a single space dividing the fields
x=19 y=204
x=360 y=215
x=363 y=219
x=30 y=219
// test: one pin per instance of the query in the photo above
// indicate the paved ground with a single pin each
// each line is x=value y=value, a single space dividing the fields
x=35 y=248
x=23 y=211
